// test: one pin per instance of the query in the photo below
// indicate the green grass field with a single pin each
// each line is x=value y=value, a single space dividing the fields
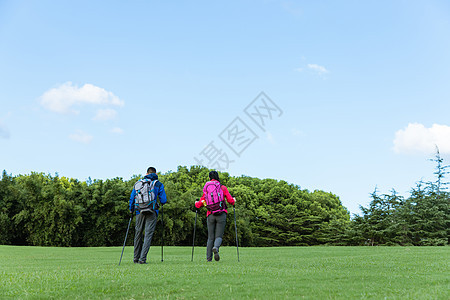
x=262 y=273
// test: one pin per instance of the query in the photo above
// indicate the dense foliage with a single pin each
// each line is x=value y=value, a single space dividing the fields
x=45 y=210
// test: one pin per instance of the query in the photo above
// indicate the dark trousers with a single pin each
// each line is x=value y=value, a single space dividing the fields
x=144 y=223
x=216 y=228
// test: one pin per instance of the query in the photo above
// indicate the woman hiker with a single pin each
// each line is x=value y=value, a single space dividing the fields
x=214 y=195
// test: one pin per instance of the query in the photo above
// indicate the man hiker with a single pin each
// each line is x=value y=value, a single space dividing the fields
x=143 y=202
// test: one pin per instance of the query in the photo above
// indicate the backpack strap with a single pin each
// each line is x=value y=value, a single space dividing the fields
x=152 y=187
x=153 y=183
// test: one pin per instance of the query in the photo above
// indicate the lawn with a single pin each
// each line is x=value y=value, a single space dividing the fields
x=262 y=273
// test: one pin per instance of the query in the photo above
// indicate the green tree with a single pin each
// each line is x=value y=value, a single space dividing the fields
x=421 y=219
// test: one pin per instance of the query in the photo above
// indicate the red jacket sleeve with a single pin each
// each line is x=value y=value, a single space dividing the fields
x=227 y=195
x=199 y=203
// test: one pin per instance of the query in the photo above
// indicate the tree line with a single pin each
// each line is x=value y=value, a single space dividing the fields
x=44 y=210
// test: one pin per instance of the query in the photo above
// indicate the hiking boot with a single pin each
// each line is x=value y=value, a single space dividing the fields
x=216 y=253
x=135 y=261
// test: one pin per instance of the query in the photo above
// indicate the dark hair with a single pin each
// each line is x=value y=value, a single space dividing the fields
x=214 y=175
x=151 y=170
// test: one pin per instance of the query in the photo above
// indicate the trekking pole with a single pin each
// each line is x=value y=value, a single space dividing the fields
x=193 y=239
x=235 y=229
x=126 y=235
x=162 y=239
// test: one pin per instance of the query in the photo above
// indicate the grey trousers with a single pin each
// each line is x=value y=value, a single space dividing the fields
x=216 y=228
x=144 y=223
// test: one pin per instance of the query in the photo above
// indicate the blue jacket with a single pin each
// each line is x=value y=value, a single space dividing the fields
x=159 y=191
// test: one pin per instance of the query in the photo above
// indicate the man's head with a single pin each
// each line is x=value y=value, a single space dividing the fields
x=151 y=170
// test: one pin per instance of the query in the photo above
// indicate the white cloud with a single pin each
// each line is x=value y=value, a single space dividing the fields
x=62 y=98
x=417 y=138
x=319 y=69
x=105 y=114
x=81 y=137
x=117 y=130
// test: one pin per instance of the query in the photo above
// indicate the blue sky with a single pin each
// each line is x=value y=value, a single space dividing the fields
x=104 y=89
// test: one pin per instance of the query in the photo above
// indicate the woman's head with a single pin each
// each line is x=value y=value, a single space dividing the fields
x=213 y=175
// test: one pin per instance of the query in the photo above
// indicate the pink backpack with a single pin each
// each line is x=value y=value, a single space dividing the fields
x=215 y=201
